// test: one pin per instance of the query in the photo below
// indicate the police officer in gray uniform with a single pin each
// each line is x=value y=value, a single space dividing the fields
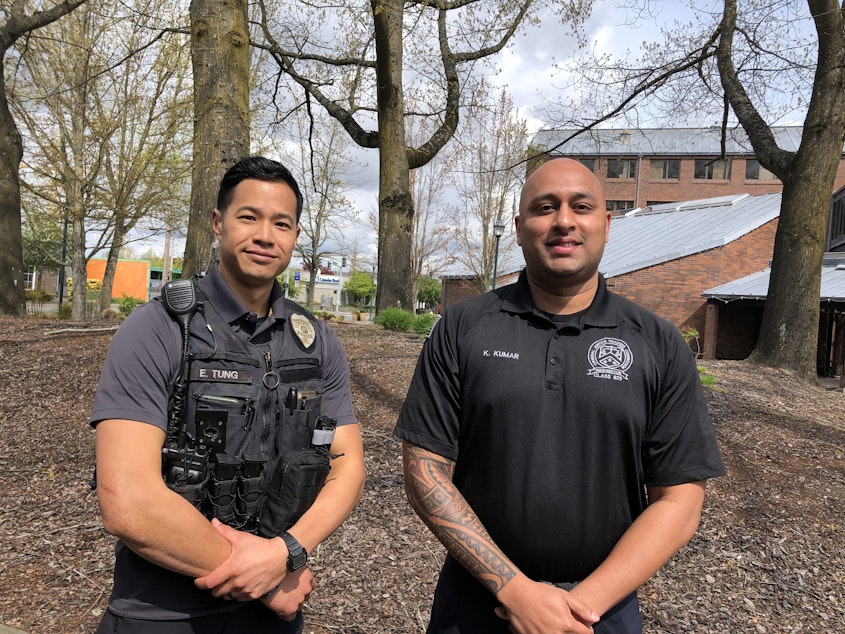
x=556 y=439
x=207 y=401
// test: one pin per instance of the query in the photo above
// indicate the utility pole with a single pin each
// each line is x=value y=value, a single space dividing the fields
x=165 y=271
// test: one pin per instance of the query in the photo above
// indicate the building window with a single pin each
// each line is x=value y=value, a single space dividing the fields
x=663 y=169
x=29 y=278
x=837 y=224
x=621 y=168
x=713 y=169
x=617 y=205
x=756 y=172
x=590 y=164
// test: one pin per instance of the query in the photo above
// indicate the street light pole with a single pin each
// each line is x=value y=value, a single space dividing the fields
x=498 y=230
x=62 y=267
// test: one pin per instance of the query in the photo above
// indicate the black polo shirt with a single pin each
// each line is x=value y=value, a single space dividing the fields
x=557 y=428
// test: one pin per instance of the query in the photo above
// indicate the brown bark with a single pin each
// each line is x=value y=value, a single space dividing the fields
x=111 y=268
x=220 y=56
x=396 y=208
x=12 y=297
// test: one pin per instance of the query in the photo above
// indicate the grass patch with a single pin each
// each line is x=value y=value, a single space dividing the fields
x=706 y=377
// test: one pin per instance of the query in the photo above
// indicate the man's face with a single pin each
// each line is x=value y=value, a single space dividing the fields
x=257 y=232
x=563 y=224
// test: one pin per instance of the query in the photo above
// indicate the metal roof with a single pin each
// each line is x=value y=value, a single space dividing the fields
x=659 y=141
x=653 y=235
x=756 y=285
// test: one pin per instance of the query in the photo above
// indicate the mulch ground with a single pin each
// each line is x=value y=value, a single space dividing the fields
x=769 y=557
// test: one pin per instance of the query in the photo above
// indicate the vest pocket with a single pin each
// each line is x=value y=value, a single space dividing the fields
x=297 y=481
x=295 y=485
x=220 y=422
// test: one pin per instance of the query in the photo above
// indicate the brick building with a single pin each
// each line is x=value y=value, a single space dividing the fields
x=664 y=257
x=640 y=168
x=459 y=287
x=704 y=264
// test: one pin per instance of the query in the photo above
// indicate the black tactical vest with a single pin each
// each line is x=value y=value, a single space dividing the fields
x=248 y=385
x=248 y=407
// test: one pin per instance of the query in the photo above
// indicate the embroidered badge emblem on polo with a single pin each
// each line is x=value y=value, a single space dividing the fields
x=303 y=329
x=610 y=359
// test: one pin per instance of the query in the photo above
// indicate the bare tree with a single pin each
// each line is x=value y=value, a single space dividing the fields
x=789 y=330
x=220 y=55
x=491 y=149
x=17 y=23
x=146 y=170
x=105 y=151
x=755 y=64
x=318 y=149
x=65 y=162
x=429 y=191
x=443 y=37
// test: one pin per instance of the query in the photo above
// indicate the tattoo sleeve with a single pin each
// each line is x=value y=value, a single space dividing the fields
x=428 y=484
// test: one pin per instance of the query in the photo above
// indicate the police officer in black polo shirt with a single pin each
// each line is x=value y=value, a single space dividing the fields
x=199 y=550
x=556 y=439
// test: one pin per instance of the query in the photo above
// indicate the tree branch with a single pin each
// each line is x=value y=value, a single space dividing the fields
x=759 y=133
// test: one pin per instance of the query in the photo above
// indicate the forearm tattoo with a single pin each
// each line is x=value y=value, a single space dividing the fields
x=428 y=481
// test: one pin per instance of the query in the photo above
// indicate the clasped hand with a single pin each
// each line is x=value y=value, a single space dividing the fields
x=254 y=567
x=533 y=607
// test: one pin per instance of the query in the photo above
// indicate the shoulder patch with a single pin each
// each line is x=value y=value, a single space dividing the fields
x=302 y=329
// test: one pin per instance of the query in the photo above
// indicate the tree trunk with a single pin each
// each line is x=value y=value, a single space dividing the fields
x=79 y=268
x=309 y=288
x=12 y=295
x=220 y=56
x=396 y=209
x=790 y=327
x=111 y=268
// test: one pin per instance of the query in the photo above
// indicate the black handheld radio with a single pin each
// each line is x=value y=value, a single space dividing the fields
x=180 y=300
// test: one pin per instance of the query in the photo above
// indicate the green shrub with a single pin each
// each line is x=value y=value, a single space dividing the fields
x=396 y=319
x=38 y=297
x=65 y=311
x=423 y=323
x=691 y=336
x=127 y=304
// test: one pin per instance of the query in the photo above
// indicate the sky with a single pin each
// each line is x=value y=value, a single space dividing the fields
x=525 y=69
x=533 y=70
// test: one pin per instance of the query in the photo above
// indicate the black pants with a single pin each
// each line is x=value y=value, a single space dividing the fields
x=622 y=618
x=253 y=618
x=463 y=606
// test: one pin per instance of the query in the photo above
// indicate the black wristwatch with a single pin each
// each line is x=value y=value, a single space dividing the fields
x=297 y=555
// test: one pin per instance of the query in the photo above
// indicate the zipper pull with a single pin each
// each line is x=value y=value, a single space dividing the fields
x=271 y=380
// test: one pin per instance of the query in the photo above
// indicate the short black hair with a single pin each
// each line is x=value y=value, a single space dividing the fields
x=262 y=169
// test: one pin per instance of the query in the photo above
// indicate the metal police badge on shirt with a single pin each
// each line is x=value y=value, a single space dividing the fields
x=303 y=329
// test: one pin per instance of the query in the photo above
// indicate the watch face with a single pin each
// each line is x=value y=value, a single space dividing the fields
x=297 y=556
x=297 y=560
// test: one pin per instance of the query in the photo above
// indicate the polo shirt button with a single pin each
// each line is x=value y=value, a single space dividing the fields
x=557 y=335
x=553 y=361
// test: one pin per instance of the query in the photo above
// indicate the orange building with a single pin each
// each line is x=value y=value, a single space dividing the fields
x=131 y=278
